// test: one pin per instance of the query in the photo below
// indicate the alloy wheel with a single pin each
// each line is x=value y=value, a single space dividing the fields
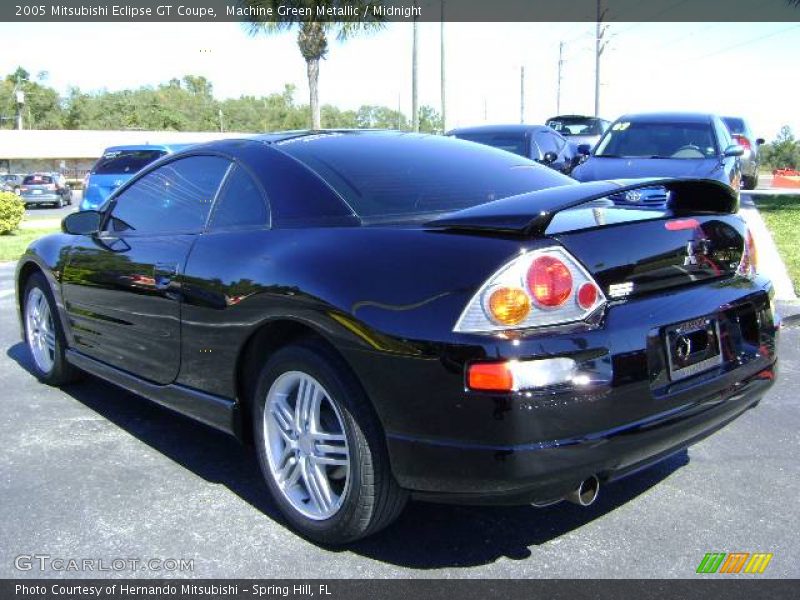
x=306 y=445
x=39 y=330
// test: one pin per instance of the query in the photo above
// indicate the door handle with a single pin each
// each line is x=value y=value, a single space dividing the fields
x=163 y=274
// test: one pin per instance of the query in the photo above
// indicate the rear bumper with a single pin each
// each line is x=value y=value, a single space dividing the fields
x=447 y=443
x=542 y=472
x=40 y=198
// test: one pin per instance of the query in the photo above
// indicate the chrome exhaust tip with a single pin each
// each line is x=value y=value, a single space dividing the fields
x=586 y=493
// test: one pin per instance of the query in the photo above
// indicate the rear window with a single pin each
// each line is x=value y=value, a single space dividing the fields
x=734 y=125
x=510 y=142
x=37 y=180
x=578 y=125
x=126 y=161
x=399 y=177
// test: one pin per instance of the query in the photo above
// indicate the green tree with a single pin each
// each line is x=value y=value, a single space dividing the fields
x=312 y=34
x=430 y=121
x=783 y=152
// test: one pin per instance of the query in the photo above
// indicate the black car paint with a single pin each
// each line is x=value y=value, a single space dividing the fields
x=387 y=298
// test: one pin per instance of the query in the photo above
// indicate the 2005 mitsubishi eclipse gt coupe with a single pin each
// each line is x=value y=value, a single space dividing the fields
x=386 y=315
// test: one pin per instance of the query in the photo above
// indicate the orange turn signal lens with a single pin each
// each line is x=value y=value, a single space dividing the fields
x=509 y=306
x=490 y=377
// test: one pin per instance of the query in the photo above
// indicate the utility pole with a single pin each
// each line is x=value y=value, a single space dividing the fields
x=522 y=94
x=599 y=47
x=444 y=102
x=20 y=103
x=560 y=66
x=414 y=91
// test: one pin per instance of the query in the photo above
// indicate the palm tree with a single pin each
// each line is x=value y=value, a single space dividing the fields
x=312 y=32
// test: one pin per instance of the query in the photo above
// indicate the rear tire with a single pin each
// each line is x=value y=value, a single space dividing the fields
x=44 y=335
x=321 y=448
x=749 y=183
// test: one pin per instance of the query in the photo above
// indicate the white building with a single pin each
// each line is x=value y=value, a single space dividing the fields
x=73 y=152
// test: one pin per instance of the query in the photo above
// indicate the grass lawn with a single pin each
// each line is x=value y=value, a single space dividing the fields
x=782 y=216
x=12 y=245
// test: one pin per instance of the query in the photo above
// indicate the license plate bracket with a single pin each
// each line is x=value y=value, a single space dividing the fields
x=692 y=347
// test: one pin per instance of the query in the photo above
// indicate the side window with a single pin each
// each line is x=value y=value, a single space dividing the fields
x=240 y=204
x=174 y=198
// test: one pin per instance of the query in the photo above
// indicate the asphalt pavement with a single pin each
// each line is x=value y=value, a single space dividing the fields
x=93 y=472
x=48 y=212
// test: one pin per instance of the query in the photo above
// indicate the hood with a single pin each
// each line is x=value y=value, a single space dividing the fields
x=594 y=168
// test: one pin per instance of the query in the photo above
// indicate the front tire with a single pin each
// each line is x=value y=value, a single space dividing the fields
x=320 y=447
x=44 y=335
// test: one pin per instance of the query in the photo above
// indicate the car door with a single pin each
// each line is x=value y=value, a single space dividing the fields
x=122 y=286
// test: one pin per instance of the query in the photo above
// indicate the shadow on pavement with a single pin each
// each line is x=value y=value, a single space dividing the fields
x=427 y=536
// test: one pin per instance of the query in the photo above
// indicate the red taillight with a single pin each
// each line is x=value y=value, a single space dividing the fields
x=587 y=295
x=748 y=266
x=549 y=281
x=742 y=141
x=491 y=377
x=681 y=224
x=23 y=189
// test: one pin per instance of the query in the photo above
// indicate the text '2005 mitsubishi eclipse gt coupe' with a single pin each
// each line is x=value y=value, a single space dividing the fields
x=389 y=315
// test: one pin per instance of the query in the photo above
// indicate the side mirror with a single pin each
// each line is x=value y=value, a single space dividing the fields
x=549 y=158
x=584 y=149
x=733 y=150
x=760 y=141
x=85 y=222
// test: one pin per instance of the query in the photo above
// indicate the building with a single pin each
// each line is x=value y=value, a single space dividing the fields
x=73 y=152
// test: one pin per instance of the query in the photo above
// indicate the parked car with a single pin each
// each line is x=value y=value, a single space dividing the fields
x=11 y=183
x=45 y=188
x=117 y=165
x=663 y=145
x=742 y=134
x=542 y=144
x=386 y=314
x=579 y=129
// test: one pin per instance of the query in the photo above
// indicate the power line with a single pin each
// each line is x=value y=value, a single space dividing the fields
x=747 y=42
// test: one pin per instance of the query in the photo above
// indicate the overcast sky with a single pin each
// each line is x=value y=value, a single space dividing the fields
x=746 y=69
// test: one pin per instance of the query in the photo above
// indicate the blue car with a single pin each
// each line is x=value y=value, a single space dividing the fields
x=117 y=165
x=662 y=145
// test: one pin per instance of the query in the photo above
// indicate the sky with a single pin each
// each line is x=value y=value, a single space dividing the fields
x=746 y=69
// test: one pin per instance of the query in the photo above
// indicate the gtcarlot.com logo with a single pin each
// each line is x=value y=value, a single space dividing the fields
x=734 y=562
x=46 y=562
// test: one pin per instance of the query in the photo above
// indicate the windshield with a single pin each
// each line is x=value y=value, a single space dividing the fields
x=578 y=125
x=397 y=177
x=126 y=161
x=510 y=142
x=637 y=139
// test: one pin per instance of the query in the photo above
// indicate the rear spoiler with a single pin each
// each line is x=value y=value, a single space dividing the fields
x=531 y=213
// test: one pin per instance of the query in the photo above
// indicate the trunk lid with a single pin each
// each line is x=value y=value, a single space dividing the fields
x=693 y=237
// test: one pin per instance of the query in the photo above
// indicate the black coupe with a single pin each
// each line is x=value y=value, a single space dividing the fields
x=385 y=315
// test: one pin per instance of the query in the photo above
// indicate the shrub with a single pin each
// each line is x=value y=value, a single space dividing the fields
x=12 y=209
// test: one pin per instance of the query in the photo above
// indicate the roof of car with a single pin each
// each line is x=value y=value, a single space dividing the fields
x=514 y=128
x=660 y=117
x=135 y=147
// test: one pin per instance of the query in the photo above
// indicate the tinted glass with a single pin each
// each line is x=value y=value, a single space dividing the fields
x=396 y=177
x=126 y=161
x=241 y=203
x=734 y=125
x=37 y=180
x=510 y=142
x=175 y=197
x=639 y=139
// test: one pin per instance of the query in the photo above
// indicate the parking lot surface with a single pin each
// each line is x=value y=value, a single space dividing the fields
x=94 y=472
x=41 y=212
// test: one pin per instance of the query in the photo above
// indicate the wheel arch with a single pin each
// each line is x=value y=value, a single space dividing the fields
x=265 y=341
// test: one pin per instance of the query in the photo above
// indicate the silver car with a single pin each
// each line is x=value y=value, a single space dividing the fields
x=743 y=135
x=45 y=188
x=580 y=130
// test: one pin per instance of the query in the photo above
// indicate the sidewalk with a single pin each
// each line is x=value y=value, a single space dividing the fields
x=770 y=262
